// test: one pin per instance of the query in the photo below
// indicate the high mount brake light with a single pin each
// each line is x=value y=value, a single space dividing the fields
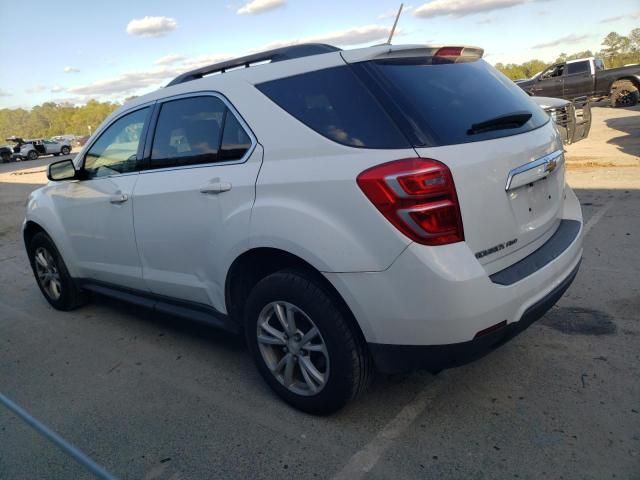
x=456 y=55
x=449 y=52
x=418 y=196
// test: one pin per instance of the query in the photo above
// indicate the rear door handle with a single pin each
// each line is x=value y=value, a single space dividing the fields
x=216 y=188
x=119 y=198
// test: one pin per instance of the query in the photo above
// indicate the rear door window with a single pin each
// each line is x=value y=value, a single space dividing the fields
x=578 y=67
x=445 y=104
x=334 y=103
x=197 y=130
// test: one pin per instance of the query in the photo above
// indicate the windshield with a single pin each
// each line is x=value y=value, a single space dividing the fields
x=443 y=104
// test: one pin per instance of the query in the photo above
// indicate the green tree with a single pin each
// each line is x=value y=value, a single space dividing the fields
x=50 y=119
x=614 y=44
x=634 y=39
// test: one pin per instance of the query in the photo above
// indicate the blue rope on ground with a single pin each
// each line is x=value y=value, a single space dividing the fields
x=57 y=440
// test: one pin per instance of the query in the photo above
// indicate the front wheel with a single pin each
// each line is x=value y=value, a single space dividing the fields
x=52 y=276
x=65 y=150
x=32 y=155
x=304 y=344
x=6 y=157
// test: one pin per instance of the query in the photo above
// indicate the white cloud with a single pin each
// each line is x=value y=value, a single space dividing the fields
x=124 y=83
x=634 y=16
x=131 y=82
x=572 y=38
x=57 y=89
x=203 y=61
x=71 y=70
x=259 y=6
x=4 y=94
x=352 y=36
x=36 y=89
x=151 y=26
x=461 y=8
x=169 y=59
x=393 y=13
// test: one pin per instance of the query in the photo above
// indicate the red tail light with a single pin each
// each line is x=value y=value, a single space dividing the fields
x=418 y=196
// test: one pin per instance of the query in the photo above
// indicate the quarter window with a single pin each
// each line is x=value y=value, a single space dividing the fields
x=117 y=148
x=334 y=103
x=197 y=130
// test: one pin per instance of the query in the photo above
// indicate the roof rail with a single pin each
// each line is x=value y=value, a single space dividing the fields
x=276 y=55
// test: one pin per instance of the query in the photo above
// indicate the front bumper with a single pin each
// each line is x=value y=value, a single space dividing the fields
x=434 y=358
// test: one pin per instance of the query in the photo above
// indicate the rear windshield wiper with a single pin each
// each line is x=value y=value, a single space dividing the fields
x=511 y=120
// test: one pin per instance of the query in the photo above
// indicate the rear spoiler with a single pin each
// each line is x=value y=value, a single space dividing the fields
x=448 y=53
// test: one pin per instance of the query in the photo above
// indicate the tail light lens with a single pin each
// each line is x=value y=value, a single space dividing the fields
x=418 y=196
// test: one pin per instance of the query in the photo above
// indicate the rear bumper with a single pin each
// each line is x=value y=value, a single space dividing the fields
x=405 y=358
x=438 y=297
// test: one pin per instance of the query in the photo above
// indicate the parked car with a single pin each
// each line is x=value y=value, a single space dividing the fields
x=32 y=149
x=80 y=141
x=572 y=119
x=387 y=208
x=586 y=77
x=68 y=138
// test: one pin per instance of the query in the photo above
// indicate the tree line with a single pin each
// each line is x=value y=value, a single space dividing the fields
x=50 y=119
x=617 y=51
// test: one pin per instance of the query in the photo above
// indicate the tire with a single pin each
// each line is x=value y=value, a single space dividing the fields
x=338 y=353
x=65 y=150
x=32 y=155
x=50 y=265
x=624 y=94
x=6 y=158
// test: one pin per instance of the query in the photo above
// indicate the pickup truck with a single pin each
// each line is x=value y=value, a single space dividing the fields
x=586 y=77
x=572 y=118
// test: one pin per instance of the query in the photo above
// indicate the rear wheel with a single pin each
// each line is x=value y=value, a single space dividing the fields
x=303 y=343
x=65 y=150
x=32 y=155
x=624 y=94
x=52 y=275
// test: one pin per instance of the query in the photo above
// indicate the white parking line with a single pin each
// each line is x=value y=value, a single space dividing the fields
x=363 y=461
x=597 y=216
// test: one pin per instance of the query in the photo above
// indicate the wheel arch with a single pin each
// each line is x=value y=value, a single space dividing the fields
x=30 y=229
x=631 y=78
x=255 y=264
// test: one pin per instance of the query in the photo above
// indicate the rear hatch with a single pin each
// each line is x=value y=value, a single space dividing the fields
x=505 y=156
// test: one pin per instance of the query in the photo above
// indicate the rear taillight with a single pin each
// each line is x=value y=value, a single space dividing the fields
x=418 y=196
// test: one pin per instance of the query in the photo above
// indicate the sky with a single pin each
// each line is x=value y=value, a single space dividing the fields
x=74 y=51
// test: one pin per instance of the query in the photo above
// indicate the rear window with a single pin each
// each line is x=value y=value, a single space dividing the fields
x=440 y=104
x=336 y=104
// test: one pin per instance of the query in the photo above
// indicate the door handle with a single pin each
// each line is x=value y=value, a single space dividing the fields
x=216 y=188
x=118 y=198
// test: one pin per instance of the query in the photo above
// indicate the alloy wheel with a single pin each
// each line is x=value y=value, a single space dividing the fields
x=293 y=349
x=48 y=274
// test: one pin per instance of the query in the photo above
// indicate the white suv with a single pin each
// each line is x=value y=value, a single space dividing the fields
x=389 y=208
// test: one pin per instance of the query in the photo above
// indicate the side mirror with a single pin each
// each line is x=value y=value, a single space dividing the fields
x=62 y=170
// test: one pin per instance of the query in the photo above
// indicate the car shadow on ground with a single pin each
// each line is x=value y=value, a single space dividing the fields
x=630 y=126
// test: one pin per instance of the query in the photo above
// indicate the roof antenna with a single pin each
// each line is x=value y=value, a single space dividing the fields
x=393 y=29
